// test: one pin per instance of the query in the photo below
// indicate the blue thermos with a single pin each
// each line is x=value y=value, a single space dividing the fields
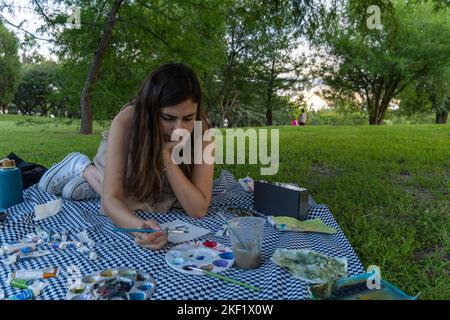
x=11 y=192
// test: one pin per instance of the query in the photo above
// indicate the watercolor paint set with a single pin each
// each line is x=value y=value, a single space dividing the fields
x=114 y=284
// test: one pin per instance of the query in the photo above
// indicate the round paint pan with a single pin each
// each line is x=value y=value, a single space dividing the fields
x=207 y=255
x=90 y=279
x=108 y=273
x=115 y=284
x=142 y=291
x=127 y=272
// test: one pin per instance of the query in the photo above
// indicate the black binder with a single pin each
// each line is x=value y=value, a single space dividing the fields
x=281 y=199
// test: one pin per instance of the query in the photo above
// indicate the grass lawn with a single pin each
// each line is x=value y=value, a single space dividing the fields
x=388 y=186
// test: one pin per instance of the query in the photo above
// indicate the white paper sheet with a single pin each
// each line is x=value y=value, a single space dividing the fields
x=194 y=231
x=49 y=209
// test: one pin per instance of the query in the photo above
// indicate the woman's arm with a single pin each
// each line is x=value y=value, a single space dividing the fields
x=194 y=195
x=115 y=173
x=114 y=180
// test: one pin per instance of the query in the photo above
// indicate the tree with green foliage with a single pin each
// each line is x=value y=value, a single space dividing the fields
x=9 y=66
x=378 y=64
x=429 y=94
x=259 y=65
x=109 y=55
x=39 y=90
x=274 y=64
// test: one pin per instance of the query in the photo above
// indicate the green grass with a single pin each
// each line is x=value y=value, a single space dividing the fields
x=387 y=186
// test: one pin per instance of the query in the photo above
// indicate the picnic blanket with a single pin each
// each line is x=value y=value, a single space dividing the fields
x=119 y=249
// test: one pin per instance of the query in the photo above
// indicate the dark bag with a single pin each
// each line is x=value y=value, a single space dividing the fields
x=31 y=172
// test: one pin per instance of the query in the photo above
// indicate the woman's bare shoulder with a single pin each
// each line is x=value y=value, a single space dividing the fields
x=125 y=116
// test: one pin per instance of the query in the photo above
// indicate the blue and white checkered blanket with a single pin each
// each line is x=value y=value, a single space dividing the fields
x=119 y=249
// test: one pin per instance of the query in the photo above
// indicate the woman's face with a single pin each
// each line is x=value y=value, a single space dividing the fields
x=180 y=116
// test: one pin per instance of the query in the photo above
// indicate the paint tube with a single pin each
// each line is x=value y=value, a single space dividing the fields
x=35 y=274
x=19 y=283
x=74 y=244
x=84 y=250
x=26 y=294
x=83 y=236
x=16 y=247
x=65 y=245
x=34 y=254
x=33 y=291
x=87 y=251
x=43 y=235
x=15 y=257
x=31 y=237
x=11 y=259
x=65 y=236
x=56 y=237
x=26 y=250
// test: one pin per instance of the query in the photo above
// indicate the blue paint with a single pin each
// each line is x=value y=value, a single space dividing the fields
x=145 y=287
x=220 y=263
x=178 y=261
x=26 y=294
x=26 y=250
x=200 y=258
x=227 y=255
x=137 y=296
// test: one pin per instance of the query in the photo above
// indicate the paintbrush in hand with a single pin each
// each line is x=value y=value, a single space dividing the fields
x=150 y=230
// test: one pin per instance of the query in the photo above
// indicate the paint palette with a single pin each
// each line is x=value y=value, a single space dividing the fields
x=114 y=284
x=207 y=255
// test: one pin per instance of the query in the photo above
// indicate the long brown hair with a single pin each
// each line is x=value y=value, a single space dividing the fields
x=168 y=85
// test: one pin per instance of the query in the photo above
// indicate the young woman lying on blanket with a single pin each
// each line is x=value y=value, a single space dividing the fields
x=133 y=168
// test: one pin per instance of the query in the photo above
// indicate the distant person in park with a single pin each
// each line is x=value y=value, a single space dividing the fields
x=133 y=168
x=294 y=122
x=302 y=118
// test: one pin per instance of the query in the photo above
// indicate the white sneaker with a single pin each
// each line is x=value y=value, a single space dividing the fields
x=55 y=178
x=78 y=189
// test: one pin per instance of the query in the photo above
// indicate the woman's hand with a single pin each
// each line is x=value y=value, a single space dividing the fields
x=166 y=152
x=153 y=241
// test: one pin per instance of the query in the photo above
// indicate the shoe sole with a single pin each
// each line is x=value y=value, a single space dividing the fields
x=70 y=197
x=61 y=164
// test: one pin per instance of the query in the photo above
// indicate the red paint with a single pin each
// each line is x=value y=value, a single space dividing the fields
x=210 y=244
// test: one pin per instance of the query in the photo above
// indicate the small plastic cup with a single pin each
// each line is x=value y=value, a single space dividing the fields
x=246 y=235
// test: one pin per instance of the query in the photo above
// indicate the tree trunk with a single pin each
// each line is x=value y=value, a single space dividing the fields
x=94 y=70
x=44 y=109
x=380 y=106
x=372 y=119
x=441 y=117
x=269 y=118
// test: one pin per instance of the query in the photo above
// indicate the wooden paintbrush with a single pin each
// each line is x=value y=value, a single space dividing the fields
x=150 y=230
x=225 y=278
